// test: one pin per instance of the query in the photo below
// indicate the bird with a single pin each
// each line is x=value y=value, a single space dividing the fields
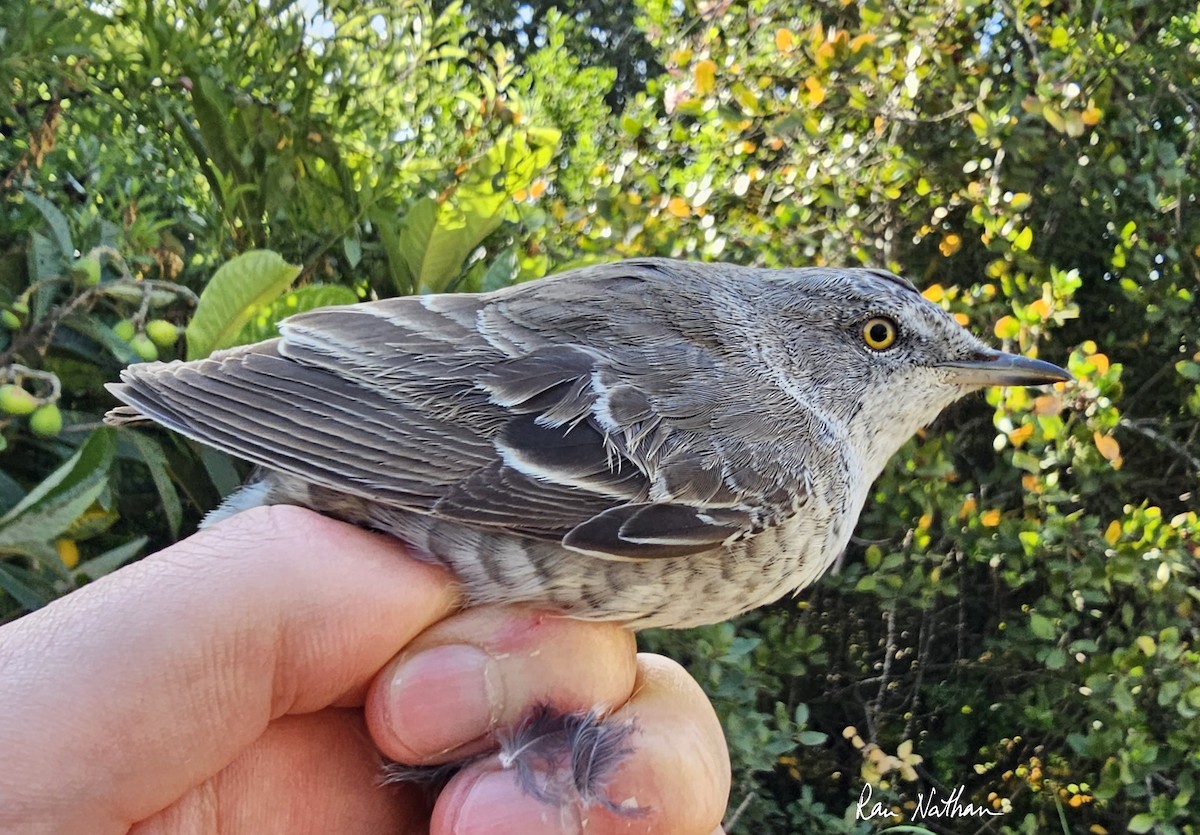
x=657 y=442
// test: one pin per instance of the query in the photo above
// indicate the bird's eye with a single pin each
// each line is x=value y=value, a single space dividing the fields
x=879 y=333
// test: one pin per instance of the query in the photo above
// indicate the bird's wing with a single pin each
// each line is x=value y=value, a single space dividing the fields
x=426 y=404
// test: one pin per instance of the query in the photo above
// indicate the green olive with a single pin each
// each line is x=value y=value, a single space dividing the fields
x=46 y=421
x=15 y=400
x=144 y=348
x=124 y=330
x=162 y=333
x=87 y=271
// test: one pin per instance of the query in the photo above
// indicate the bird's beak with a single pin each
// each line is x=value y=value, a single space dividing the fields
x=996 y=368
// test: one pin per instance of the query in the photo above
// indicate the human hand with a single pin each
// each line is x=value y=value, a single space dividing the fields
x=220 y=685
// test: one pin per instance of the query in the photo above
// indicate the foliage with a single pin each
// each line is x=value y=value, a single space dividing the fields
x=1018 y=612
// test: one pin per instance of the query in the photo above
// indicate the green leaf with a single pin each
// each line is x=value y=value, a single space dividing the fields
x=59 y=227
x=98 y=332
x=156 y=462
x=219 y=466
x=10 y=491
x=1142 y=822
x=439 y=233
x=423 y=261
x=502 y=272
x=1041 y=626
x=812 y=738
x=1023 y=240
x=265 y=322
x=12 y=581
x=98 y=449
x=44 y=261
x=112 y=559
x=234 y=295
x=388 y=227
x=1122 y=698
x=51 y=507
x=801 y=714
x=353 y=249
x=1188 y=370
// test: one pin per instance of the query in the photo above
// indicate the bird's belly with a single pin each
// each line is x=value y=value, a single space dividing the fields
x=676 y=592
x=500 y=567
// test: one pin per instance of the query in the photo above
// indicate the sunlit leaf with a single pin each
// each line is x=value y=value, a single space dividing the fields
x=705 y=76
x=242 y=287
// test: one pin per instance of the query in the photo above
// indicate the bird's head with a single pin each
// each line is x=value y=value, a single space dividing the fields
x=876 y=356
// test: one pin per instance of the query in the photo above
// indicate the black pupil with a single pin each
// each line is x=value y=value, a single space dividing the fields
x=879 y=332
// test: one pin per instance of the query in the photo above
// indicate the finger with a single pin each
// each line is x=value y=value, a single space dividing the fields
x=484 y=669
x=676 y=781
x=150 y=680
x=314 y=773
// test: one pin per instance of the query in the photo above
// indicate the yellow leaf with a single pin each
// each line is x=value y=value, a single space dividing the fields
x=1041 y=308
x=538 y=188
x=1113 y=532
x=1020 y=200
x=68 y=552
x=1007 y=328
x=1032 y=483
x=1023 y=240
x=1100 y=361
x=1054 y=118
x=705 y=75
x=990 y=518
x=968 y=507
x=816 y=93
x=1092 y=115
x=679 y=207
x=1021 y=434
x=950 y=244
x=862 y=40
x=935 y=293
x=962 y=318
x=925 y=522
x=1107 y=445
x=785 y=41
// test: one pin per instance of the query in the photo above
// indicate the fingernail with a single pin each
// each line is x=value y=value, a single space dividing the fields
x=495 y=804
x=443 y=698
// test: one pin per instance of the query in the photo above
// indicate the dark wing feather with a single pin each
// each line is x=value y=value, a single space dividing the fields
x=534 y=412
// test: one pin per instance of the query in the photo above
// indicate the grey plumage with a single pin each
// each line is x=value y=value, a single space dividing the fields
x=658 y=442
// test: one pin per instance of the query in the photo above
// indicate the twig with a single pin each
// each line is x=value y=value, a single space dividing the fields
x=737 y=813
x=1169 y=443
x=888 y=652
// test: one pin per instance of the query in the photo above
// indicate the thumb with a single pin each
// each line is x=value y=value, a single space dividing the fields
x=128 y=692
